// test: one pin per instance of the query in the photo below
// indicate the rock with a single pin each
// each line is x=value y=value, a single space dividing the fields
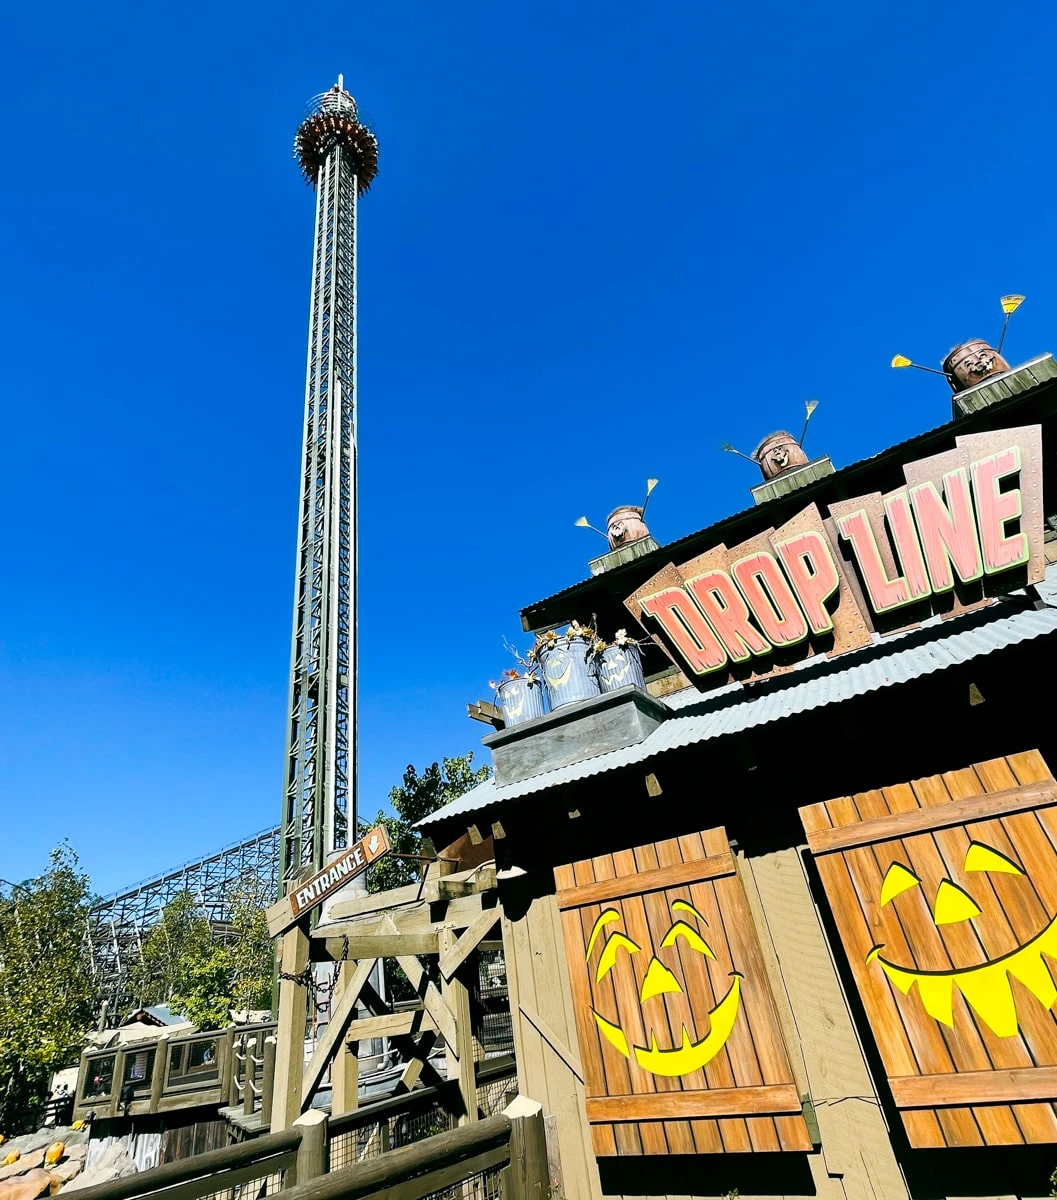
x=114 y=1163
x=66 y=1171
x=26 y=1187
x=76 y=1153
x=28 y=1162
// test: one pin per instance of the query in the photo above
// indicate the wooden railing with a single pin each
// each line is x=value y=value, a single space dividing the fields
x=150 y=1076
x=274 y=1156
x=501 y=1157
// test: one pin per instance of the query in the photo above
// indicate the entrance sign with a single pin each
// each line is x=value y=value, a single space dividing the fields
x=354 y=861
x=944 y=893
x=967 y=525
x=678 y=1035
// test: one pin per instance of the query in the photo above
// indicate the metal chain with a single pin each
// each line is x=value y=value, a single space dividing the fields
x=318 y=988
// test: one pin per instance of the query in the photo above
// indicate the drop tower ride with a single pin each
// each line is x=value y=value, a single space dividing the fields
x=338 y=156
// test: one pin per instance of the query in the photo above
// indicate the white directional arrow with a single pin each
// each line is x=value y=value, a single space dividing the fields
x=373 y=844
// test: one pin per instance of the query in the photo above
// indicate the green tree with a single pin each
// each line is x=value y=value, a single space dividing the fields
x=417 y=797
x=171 y=952
x=47 y=989
x=252 y=947
x=202 y=972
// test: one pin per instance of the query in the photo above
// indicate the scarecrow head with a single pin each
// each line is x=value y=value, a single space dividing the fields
x=663 y=976
x=986 y=986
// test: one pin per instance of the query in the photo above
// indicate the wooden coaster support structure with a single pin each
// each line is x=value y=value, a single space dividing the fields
x=434 y=931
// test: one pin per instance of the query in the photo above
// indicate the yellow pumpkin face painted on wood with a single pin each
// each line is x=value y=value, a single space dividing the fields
x=674 y=1018
x=985 y=986
x=943 y=891
x=693 y=1053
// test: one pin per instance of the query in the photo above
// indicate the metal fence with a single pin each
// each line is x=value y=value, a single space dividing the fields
x=413 y=1116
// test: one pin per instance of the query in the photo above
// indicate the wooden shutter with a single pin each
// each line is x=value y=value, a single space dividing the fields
x=744 y=1097
x=954 y=962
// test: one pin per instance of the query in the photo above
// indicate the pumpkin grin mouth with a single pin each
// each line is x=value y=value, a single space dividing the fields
x=690 y=1056
x=986 y=987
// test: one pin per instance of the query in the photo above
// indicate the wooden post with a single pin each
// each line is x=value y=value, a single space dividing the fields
x=528 y=1176
x=345 y=1068
x=456 y=996
x=312 y=1152
x=161 y=1069
x=117 y=1088
x=290 y=1036
x=268 y=1081
x=248 y=1072
x=227 y=1064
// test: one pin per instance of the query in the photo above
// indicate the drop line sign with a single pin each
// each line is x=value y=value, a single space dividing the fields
x=352 y=862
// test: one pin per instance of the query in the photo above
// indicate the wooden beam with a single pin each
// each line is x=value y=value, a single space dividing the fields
x=378 y=902
x=421 y=1169
x=767 y=1100
x=716 y=866
x=452 y=960
x=933 y=816
x=345 y=1069
x=408 y=919
x=411 y=1021
x=279 y=916
x=290 y=1034
x=432 y=1001
x=569 y=1057
x=383 y=945
x=528 y=1175
x=416 y=1060
x=456 y=997
x=339 y=1020
x=1008 y=1086
x=449 y=887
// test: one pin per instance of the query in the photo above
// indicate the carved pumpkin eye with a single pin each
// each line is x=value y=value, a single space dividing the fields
x=982 y=858
x=609 y=954
x=609 y=951
x=953 y=904
x=898 y=879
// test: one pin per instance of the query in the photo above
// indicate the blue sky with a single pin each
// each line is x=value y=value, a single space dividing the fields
x=604 y=239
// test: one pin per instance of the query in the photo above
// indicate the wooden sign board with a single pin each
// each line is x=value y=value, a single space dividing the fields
x=303 y=897
x=967 y=526
x=944 y=893
x=680 y=1043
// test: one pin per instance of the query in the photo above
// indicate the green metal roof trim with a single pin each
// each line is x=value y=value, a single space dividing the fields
x=815 y=683
x=715 y=533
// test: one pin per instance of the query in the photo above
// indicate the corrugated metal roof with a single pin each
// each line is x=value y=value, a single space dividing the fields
x=817 y=682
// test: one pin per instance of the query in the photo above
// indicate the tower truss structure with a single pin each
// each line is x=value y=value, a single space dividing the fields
x=338 y=156
x=118 y=924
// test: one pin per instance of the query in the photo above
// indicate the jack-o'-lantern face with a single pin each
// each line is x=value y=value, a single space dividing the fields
x=615 y=671
x=659 y=979
x=986 y=987
x=558 y=666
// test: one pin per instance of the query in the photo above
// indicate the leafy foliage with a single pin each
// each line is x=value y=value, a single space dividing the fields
x=417 y=797
x=47 y=991
x=204 y=974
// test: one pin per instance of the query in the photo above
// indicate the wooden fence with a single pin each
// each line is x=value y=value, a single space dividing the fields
x=500 y=1157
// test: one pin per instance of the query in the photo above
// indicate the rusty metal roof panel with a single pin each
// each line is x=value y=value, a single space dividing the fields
x=818 y=682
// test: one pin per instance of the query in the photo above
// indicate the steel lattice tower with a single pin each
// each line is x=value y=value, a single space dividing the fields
x=339 y=157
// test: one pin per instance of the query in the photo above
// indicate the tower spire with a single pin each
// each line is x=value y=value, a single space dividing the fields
x=338 y=156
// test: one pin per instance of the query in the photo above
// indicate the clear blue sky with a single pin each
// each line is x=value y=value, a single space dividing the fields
x=604 y=238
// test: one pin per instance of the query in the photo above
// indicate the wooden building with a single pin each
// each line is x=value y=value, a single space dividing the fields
x=784 y=921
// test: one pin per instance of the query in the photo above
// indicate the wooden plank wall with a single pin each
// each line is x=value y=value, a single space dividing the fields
x=744 y=1098
x=950 y=1078
x=856 y=1161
